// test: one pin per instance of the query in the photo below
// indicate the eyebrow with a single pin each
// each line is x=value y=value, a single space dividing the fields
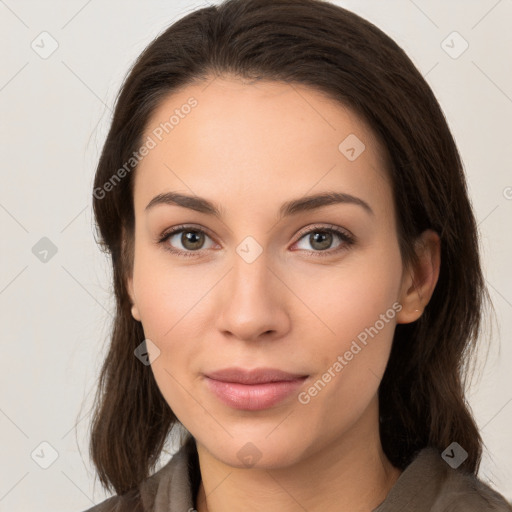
x=302 y=204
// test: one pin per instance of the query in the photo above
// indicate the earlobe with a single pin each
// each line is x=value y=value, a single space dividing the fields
x=127 y=250
x=135 y=309
x=419 y=282
x=135 y=313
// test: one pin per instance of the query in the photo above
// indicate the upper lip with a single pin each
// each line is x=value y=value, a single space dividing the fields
x=253 y=376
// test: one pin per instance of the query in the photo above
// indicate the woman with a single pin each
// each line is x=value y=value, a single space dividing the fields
x=296 y=271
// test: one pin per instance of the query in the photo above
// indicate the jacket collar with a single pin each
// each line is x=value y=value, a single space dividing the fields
x=170 y=489
x=425 y=481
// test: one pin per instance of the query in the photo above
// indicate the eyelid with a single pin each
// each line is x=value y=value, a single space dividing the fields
x=182 y=227
x=325 y=227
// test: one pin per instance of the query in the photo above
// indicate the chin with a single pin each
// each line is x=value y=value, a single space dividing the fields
x=257 y=451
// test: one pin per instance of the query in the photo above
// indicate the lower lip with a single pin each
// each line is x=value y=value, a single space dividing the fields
x=253 y=397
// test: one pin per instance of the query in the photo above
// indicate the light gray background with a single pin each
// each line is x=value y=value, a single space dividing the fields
x=55 y=113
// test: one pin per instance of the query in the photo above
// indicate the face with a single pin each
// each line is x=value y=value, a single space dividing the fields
x=313 y=291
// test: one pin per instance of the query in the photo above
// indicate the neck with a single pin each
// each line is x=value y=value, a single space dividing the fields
x=350 y=474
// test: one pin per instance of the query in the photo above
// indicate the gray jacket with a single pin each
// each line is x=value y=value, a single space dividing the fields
x=428 y=484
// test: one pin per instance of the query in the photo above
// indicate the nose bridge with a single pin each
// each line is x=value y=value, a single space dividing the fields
x=251 y=302
x=250 y=260
x=250 y=280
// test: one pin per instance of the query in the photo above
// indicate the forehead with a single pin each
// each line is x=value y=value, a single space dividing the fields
x=260 y=142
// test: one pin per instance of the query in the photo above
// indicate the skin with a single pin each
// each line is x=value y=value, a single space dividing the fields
x=250 y=147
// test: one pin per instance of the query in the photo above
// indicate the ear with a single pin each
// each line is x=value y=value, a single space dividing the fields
x=135 y=309
x=419 y=282
x=127 y=248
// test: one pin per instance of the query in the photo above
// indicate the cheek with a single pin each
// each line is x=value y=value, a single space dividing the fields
x=359 y=304
x=164 y=292
x=345 y=299
x=166 y=297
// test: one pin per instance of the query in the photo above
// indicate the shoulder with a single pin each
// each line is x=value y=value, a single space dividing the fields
x=429 y=483
x=464 y=492
x=131 y=501
x=113 y=504
x=142 y=498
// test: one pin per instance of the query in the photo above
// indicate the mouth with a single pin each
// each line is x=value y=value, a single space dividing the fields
x=254 y=389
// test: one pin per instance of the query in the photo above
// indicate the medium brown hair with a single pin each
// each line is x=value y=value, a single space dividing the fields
x=318 y=44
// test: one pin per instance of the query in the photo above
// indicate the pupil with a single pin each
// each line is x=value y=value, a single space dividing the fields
x=323 y=238
x=190 y=237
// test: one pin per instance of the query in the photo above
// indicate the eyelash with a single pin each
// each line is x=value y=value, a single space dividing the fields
x=343 y=235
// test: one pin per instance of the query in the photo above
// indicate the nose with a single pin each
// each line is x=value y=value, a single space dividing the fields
x=253 y=302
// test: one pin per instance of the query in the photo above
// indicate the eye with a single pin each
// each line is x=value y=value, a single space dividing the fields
x=321 y=239
x=190 y=238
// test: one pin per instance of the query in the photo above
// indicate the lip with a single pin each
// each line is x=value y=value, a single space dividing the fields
x=254 y=389
x=253 y=376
